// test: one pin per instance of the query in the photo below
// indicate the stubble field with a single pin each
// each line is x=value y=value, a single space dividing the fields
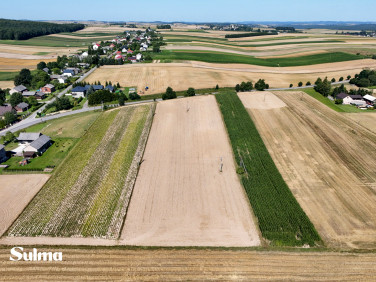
x=181 y=76
x=15 y=193
x=327 y=160
x=180 y=197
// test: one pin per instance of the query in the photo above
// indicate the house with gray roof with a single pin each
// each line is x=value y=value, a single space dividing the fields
x=38 y=146
x=18 y=88
x=21 y=107
x=28 y=137
x=3 y=154
x=6 y=109
x=28 y=94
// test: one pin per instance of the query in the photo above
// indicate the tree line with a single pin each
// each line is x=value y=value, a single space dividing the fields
x=250 y=34
x=22 y=30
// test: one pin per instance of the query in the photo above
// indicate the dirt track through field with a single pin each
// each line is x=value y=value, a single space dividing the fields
x=180 y=197
x=327 y=160
x=16 y=191
x=191 y=265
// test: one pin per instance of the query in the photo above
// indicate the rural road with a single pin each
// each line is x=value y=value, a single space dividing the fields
x=32 y=120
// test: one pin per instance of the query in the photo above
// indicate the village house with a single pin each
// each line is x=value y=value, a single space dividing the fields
x=28 y=137
x=38 y=146
x=28 y=94
x=3 y=154
x=132 y=59
x=356 y=100
x=110 y=88
x=68 y=73
x=46 y=70
x=96 y=47
x=19 y=89
x=22 y=107
x=48 y=88
x=78 y=92
x=40 y=95
x=59 y=78
x=6 y=109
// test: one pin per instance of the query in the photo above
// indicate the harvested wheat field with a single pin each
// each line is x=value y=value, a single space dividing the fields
x=35 y=50
x=16 y=191
x=7 y=64
x=191 y=265
x=327 y=160
x=368 y=120
x=6 y=84
x=180 y=197
x=181 y=76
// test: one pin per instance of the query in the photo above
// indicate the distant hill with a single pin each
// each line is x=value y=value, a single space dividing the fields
x=22 y=30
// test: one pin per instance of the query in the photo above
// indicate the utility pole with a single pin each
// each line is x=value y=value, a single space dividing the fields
x=221 y=166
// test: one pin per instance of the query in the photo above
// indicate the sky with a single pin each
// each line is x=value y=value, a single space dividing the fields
x=191 y=10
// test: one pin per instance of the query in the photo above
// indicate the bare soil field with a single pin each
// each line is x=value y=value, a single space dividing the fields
x=327 y=160
x=367 y=120
x=180 y=197
x=181 y=76
x=191 y=265
x=16 y=191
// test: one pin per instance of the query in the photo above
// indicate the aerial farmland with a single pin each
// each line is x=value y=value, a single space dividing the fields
x=190 y=151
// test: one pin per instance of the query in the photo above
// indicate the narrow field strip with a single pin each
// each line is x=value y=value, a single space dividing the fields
x=281 y=219
x=40 y=210
x=106 y=204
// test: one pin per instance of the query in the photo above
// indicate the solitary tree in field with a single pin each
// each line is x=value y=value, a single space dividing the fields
x=300 y=84
x=308 y=83
x=291 y=85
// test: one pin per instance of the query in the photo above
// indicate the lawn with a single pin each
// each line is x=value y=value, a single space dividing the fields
x=7 y=76
x=219 y=57
x=73 y=126
x=311 y=92
x=280 y=217
x=52 y=157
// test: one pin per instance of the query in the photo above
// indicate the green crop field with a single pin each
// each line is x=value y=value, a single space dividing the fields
x=227 y=58
x=87 y=194
x=8 y=76
x=280 y=217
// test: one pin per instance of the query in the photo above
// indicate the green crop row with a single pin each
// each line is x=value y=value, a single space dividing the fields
x=280 y=217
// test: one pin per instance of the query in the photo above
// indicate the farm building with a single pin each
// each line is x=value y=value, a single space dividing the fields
x=28 y=94
x=6 y=109
x=351 y=99
x=3 y=154
x=21 y=107
x=370 y=99
x=38 y=146
x=48 y=88
x=19 y=88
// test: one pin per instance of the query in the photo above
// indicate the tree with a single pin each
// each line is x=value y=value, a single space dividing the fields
x=217 y=87
x=63 y=103
x=300 y=84
x=24 y=78
x=15 y=99
x=121 y=99
x=333 y=79
x=308 y=83
x=40 y=79
x=341 y=78
x=323 y=86
x=260 y=85
x=9 y=137
x=9 y=118
x=190 y=92
x=170 y=94
x=90 y=91
x=32 y=101
x=41 y=65
x=156 y=49
x=348 y=77
x=291 y=85
x=2 y=96
x=135 y=96
x=237 y=87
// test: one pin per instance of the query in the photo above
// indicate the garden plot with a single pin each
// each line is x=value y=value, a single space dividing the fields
x=180 y=197
x=87 y=196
